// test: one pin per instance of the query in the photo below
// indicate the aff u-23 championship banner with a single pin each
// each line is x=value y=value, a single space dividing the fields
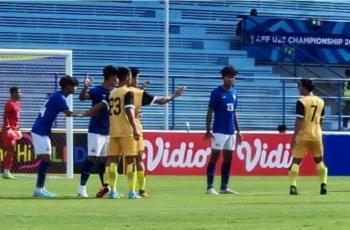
x=182 y=153
x=291 y=40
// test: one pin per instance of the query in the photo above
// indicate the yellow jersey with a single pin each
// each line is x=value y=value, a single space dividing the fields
x=138 y=93
x=119 y=99
x=311 y=109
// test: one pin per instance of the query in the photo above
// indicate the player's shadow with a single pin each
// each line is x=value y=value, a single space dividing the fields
x=37 y=198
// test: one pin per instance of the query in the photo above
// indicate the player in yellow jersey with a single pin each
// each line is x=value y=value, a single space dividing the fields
x=307 y=135
x=142 y=98
x=123 y=136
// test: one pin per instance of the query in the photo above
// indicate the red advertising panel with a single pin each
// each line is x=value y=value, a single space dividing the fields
x=181 y=153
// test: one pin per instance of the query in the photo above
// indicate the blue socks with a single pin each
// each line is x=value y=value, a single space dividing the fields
x=42 y=170
x=85 y=172
x=210 y=174
x=225 y=174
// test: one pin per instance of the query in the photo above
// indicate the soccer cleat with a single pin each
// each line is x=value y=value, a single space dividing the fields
x=8 y=175
x=228 y=191
x=82 y=193
x=133 y=195
x=293 y=190
x=143 y=193
x=43 y=193
x=323 y=190
x=113 y=195
x=102 y=191
x=212 y=191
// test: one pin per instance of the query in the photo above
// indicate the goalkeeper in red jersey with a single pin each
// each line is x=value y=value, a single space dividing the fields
x=10 y=132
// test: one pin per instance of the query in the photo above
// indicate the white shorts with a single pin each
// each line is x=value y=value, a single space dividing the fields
x=223 y=141
x=42 y=144
x=97 y=145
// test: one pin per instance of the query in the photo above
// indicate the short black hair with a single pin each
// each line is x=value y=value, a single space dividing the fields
x=123 y=73
x=308 y=84
x=282 y=128
x=134 y=71
x=347 y=72
x=253 y=12
x=228 y=70
x=13 y=90
x=109 y=71
x=68 y=80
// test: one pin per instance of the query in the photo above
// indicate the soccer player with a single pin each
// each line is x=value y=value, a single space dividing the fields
x=142 y=98
x=307 y=135
x=41 y=130
x=10 y=130
x=123 y=135
x=98 y=128
x=223 y=102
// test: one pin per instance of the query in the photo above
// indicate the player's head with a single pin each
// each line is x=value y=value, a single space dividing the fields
x=124 y=76
x=282 y=128
x=15 y=93
x=228 y=74
x=253 y=12
x=68 y=84
x=134 y=76
x=347 y=73
x=110 y=75
x=306 y=86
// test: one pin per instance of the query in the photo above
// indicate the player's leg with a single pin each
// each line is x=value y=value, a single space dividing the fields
x=111 y=171
x=102 y=160
x=298 y=153
x=228 y=149
x=140 y=167
x=129 y=150
x=217 y=144
x=42 y=146
x=9 y=141
x=322 y=170
x=293 y=174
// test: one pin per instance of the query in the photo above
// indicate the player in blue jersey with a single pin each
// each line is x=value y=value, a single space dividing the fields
x=41 y=130
x=223 y=102
x=98 y=128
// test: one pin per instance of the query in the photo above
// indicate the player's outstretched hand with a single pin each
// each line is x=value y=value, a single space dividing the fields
x=180 y=90
x=87 y=81
x=145 y=84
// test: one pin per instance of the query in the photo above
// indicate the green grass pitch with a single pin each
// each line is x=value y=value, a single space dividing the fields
x=179 y=203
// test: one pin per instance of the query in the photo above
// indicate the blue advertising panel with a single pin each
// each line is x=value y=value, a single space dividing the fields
x=301 y=41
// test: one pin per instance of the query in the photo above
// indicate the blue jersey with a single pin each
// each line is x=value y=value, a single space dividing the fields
x=99 y=124
x=51 y=108
x=223 y=104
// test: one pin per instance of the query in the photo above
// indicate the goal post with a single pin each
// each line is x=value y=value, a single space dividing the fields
x=32 y=54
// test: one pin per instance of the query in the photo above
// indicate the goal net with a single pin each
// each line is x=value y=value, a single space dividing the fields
x=37 y=73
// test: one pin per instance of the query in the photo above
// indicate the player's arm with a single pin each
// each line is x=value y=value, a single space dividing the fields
x=322 y=116
x=93 y=111
x=239 y=135
x=166 y=99
x=84 y=94
x=300 y=113
x=130 y=112
x=208 y=123
x=7 y=113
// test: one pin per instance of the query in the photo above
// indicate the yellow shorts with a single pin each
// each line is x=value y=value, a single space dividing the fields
x=140 y=144
x=301 y=148
x=122 y=146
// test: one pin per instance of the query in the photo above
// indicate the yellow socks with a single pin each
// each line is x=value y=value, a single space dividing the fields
x=141 y=178
x=322 y=171
x=113 y=176
x=131 y=171
x=293 y=174
x=106 y=176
